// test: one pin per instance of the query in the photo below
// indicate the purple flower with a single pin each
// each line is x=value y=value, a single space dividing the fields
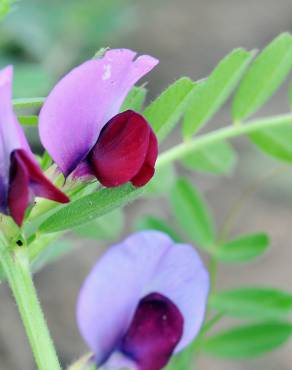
x=144 y=300
x=83 y=131
x=20 y=176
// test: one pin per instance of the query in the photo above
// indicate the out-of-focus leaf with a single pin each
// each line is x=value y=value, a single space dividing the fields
x=275 y=142
x=107 y=227
x=89 y=207
x=218 y=158
x=242 y=249
x=46 y=161
x=22 y=103
x=30 y=80
x=264 y=77
x=162 y=181
x=5 y=7
x=135 y=99
x=290 y=95
x=52 y=253
x=259 y=303
x=184 y=359
x=192 y=213
x=166 y=110
x=215 y=90
x=248 y=341
x=155 y=223
x=28 y=120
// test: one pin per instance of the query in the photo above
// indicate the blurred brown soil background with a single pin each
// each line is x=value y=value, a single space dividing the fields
x=189 y=37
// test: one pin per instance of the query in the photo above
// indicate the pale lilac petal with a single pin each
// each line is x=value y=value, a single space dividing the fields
x=3 y=182
x=11 y=134
x=145 y=262
x=10 y=130
x=112 y=290
x=83 y=102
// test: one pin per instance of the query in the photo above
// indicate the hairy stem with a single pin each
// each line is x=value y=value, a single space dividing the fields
x=15 y=264
x=187 y=147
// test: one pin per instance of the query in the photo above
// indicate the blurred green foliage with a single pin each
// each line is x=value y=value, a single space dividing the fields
x=5 y=7
x=43 y=39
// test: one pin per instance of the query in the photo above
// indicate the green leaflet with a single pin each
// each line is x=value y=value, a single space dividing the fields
x=290 y=95
x=192 y=213
x=89 y=207
x=184 y=359
x=31 y=80
x=218 y=158
x=264 y=77
x=107 y=227
x=162 y=182
x=243 y=248
x=28 y=103
x=135 y=99
x=275 y=142
x=248 y=341
x=28 y=120
x=52 y=253
x=214 y=91
x=166 y=110
x=259 y=303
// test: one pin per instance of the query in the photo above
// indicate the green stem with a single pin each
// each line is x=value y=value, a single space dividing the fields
x=199 y=142
x=15 y=264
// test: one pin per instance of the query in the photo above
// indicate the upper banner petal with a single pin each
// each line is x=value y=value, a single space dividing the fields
x=11 y=134
x=84 y=101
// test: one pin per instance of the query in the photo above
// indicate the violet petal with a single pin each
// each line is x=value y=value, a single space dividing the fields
x=147 y=170
x=154 y=332
x=84 y=101
x=122 y=150
x=11 y=134
x=25 y=181
x=20 y=176
x=144 y=263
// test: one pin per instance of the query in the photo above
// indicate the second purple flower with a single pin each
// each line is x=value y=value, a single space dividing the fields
x=144 y=300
